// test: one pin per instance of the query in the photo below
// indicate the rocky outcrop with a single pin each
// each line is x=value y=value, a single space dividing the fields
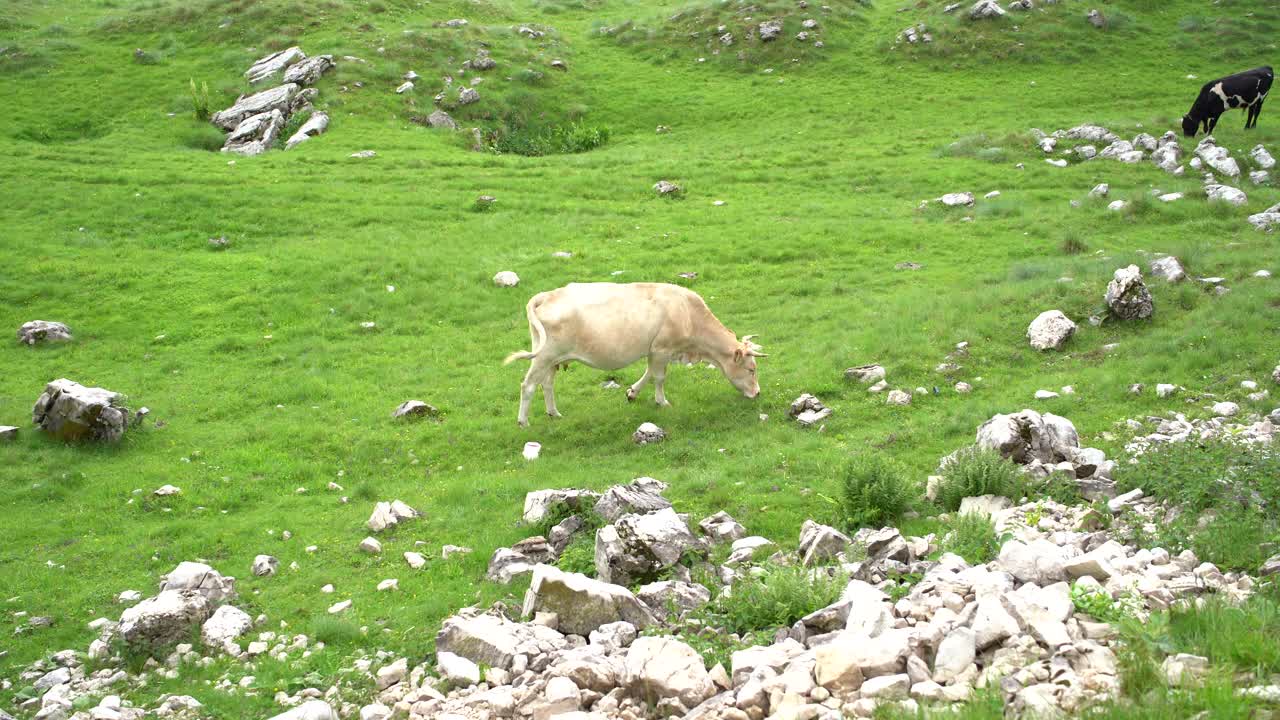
x=274 y=64
x=642 y=495
x=264 y=102
x=313 y=127
x=636 y=547
x=164 y=620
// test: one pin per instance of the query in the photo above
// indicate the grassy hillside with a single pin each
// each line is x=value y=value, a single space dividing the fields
x=262 y=381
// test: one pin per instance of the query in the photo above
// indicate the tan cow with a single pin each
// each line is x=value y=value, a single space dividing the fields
x=610 y=325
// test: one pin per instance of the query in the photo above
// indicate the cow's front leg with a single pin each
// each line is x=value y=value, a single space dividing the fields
x=549 y=392
x=658 y=368
x=634 y=391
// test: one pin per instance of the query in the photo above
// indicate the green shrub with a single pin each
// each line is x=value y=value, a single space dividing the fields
x=1200 y=476
x=579 y=556
x=1229 y=634
x=777 y=598
x=875 y=492
x=973 y=537
x=1099 y=604
x=978 y=471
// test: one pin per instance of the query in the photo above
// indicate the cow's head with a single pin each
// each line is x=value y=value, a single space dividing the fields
x=1189 y=125
x=741 y=370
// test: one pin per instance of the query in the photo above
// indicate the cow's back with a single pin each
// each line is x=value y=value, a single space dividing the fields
x=611 y=325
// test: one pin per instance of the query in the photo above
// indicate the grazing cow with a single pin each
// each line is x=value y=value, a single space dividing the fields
x=1242 y=90
x=609 y=326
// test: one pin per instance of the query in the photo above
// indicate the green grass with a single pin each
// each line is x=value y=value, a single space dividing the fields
x=973 y=537
x=112 y=192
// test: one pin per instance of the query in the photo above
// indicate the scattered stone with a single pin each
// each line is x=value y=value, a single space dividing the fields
x=648 y=433
x=963 y=199
x=405 y=87
x=665 y=187
x=1100 y=190
x=898 y=397
x=506 y=278
x=865 y=374
x=985 y=9
x=225 y=625
x=364 y=154
x=1117 y=205
x=1225 y=193
x=809 y=410
x=265 y=565
x=658 y=668
x=415 y=409
x=441 y=119
x=1169 y=268
x=769 y=31
x=1225 y=409
x=371 y=546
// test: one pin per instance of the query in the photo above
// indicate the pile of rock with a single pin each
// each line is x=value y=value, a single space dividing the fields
x=1177 y=428
x=255 y=121
x=809 y=410
x=390 y=514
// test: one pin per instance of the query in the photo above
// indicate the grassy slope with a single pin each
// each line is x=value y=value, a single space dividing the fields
x=821 y=165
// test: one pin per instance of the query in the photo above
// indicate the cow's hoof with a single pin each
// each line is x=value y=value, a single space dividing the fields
x=554 y=415
x=522 y=423
x=663 y=403
x=631 y=396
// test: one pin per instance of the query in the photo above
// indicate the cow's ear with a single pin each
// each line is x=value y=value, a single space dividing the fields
x=738 y=355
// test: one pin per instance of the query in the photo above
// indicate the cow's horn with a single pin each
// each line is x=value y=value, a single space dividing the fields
x=747 y=338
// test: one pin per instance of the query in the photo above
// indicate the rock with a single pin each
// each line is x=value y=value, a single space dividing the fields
x=866 y=609
x=1165 y=389
x=1127 y=296
x=1045 y=394
x=809 y=410
x=389 y=514
x=276 y=99
x=887 y=687
x=989 y=505
x=8 y=433
x=642 y=495
x=667 y=596
x=657 y=668
x=819 y=543
x=308 y=71
x=495 y=641
x=1216 y=157
x=1167 y=157
x=1117 y=205
x=225 y=625
x=1050 y=330
x=1170 y=197
x=745 y=549
x=507 y=564
x=1266 y=219
x=1029 y=435
x=637 y=547
x=200 y=578
x=1261 y=157
x=1039 y=561
x=1259 y=177
x=164 y=620
x=1096 y=19
x=541 y=504
x=38 y=331
x=1225 y=409
x=310 y=710
x=273 y=64
x=364 y=155
x=1185 y=670
x=614 y=636
x=340 y=607
x=882 y=655
x=167 y=491
x=722 y=528
x=963 y=199
x=898 y=397
x=993 y=623
x=1225 y=193
x=506 y=278
x=405 y=87
x=441 y=119
x=963 y=387
x=391 y=674
x=314 y=126
x=414 y=409
x=371 y=546
x=265 y=566
x=1169 y=268
x=648 y=434
x=665 y=187
x=1100 y=190
x=415 y=560
x=468 y=95
x=69 y=411
x=985 y=9
x=457 y=670
x=769 y=31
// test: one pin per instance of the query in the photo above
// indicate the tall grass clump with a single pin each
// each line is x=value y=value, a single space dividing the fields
x=777 y=598
x=200 y=100
x=874 y=492
x=978 y=471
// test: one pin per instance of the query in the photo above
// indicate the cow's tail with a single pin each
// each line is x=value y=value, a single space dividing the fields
x=538 y=332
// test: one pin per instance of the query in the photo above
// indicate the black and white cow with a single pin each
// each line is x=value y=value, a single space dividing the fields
x=1243 y=90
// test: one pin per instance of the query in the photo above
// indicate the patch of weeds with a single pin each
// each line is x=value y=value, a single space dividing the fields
x=1143 y=646
x=973 y=537
x=1099 y=604
x=900 y=585
x=579 y=556
x=565 y=139
x=874 y=492
x=291 y=127
x=1058 y=486
x=978 y=147
x=776 y=598
x=1073 y=243
x=203 y=137
x=978 y=471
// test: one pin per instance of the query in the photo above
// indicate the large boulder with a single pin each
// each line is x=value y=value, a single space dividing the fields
x=202 y=579
x=277 y=98
x=669 y=597
x=274 y=64
x=658 y=668
x=1216 y=192
x=308 y=71
x=637 y=547
x=70 y=411
x=441 y=119
x=1039 y=562
x=819 y=543
x=256 y=133
x=1029 y=436
x=1050 y=330
x=226 y=624
x=38 y=331
x=1127 y=295
x=582 y=604
x=1217 y=157
x=495 y=641
x=164 y=620
x=541 y=504
x=641 y=495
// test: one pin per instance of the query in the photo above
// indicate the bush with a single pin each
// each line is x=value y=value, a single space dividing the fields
x=777 y=598
x=973 y=537
x=875 y=492
x=978 y=471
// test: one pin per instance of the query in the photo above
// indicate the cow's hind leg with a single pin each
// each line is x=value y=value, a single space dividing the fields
x=537 y=371
x=549 y=391
x=634 y=391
